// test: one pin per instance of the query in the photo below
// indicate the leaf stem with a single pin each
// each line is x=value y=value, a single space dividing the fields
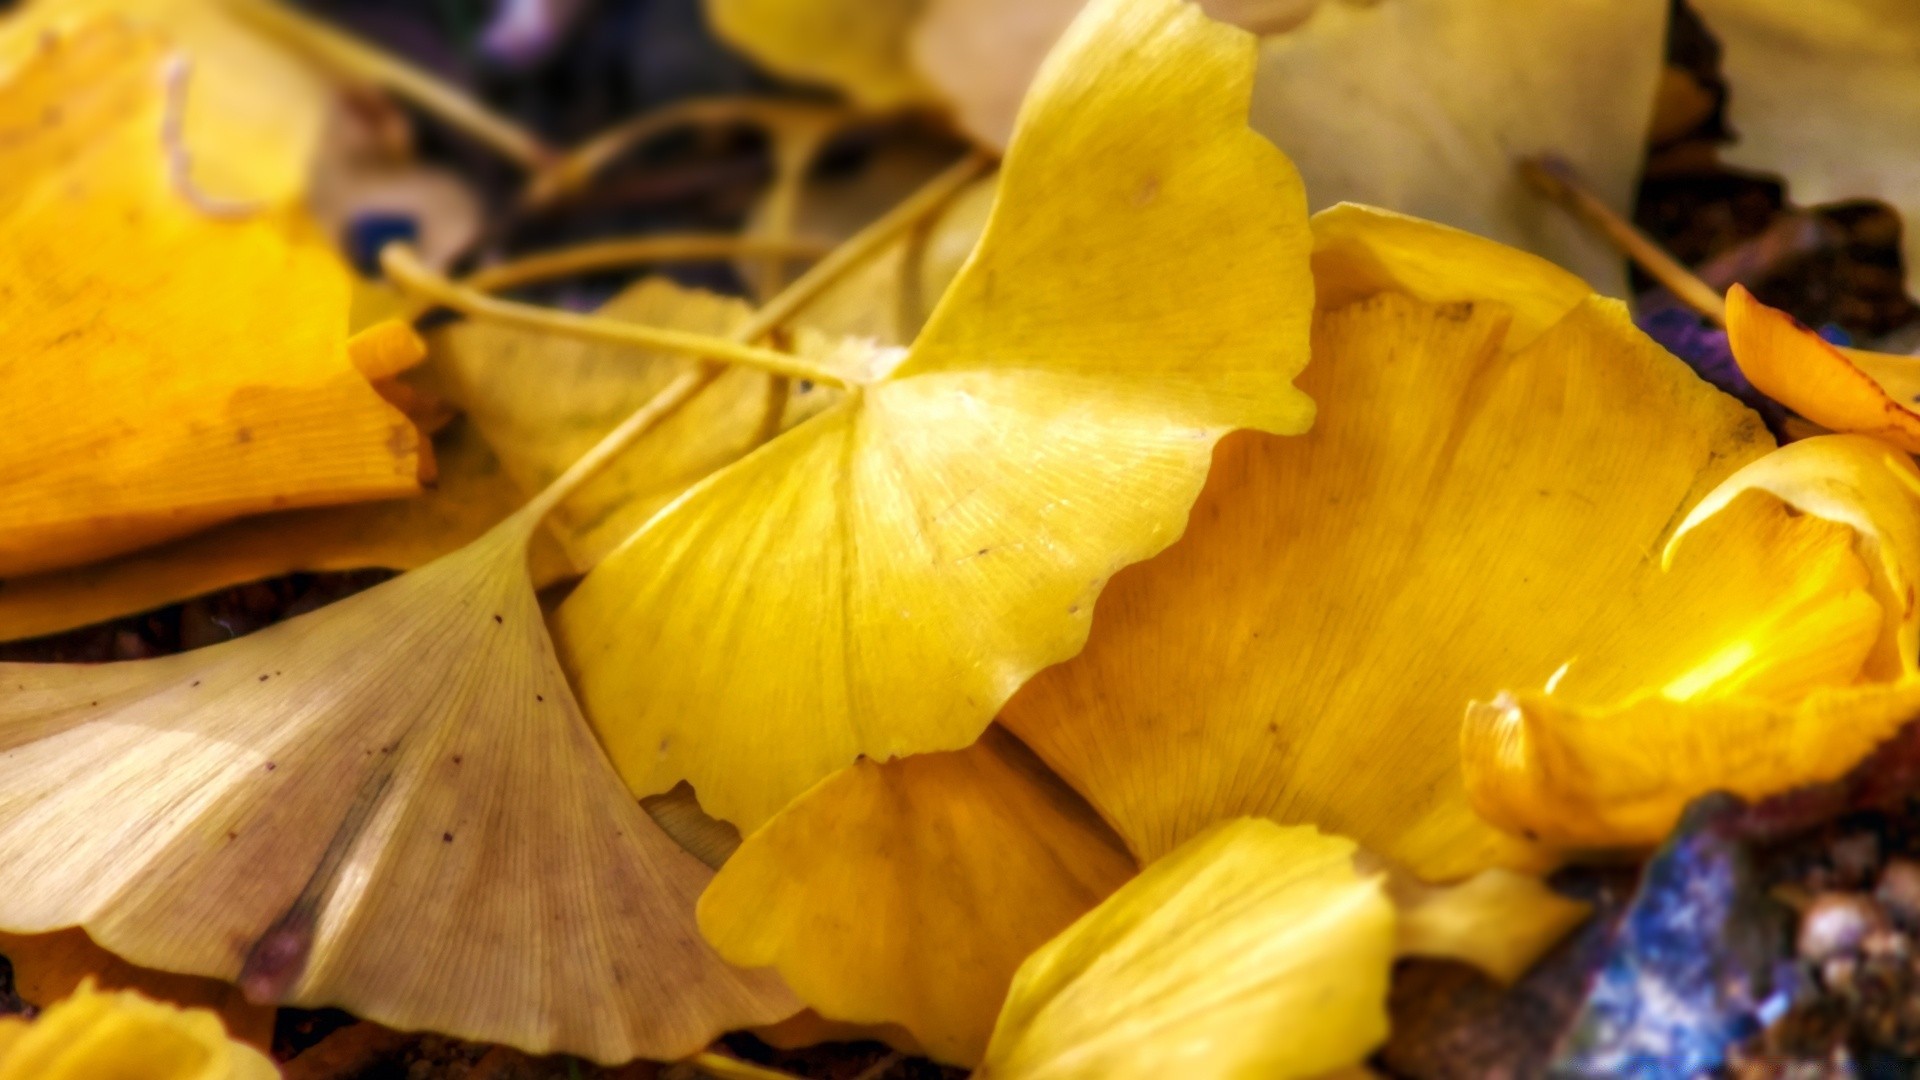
x=731 y=1068
x=575 y=169
x=1559 y=181
x=358 y=60
x=406 y=270
x=634 y=251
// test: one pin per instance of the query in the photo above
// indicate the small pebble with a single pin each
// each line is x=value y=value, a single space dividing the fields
x=1836 y=924
x=1899 y=889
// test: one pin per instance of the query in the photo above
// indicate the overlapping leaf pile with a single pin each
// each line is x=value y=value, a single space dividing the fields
x=1102 y=655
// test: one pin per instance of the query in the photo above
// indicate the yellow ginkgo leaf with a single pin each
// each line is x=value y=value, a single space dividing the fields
x=392 y=805
x=880 y=579
x=844 y=892
x=251 y=113
x=1795 y=67
x=1375 y=104
x=166 y=369
x=49 y=967
x=541 y=401
x=101 y=1035
x=1254 y=950
x=471 y=495
x=1848 y=390
x=1798 y=697
x=1361 y=251
x=858 y=48
x=1466 y=515
x=1496 y=920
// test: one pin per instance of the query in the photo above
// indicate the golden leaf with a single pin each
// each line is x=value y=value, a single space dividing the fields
x=1795 y=692
x=1496 y=920
x=253 y=115
x=391 y=805
x=471 y=495
x=981 y=850
x=1254 y=950
x=1797 y=68
x=821 y=599
x=166 y=369
x=858 y=48
x=97 y=1035
x=1467 y=514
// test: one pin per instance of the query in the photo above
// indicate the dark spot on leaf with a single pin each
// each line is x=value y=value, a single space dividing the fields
x=498 y=619
x=539 y=697
x=243 y=435
x=446 y=838
x=270 y=766
x=456 y=759
x=264 y=678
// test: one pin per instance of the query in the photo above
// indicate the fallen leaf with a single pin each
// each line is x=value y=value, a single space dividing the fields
x=1425 y=106
x=167 y=369
x=1469 y=512
x=121 y=1035
x=858 y=49
x=1496 y=920
x=981 y=850
x=471 y=495
x=49 y=967
x=822 y=598
x=272 y=811
x=253 y=115
x=1828 y=96
x=1254 y=950
x=1798 y=696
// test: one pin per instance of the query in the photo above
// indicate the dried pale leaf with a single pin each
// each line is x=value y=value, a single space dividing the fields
x=822 y=598
x=981 y=850
x=1798 y=697
x=543 y=401
x=1424 y=106
x=254 y=112
x=809 y=1028
x=1254 y=950
x=858 y=48
x=166 y=370
x=1846 y=390
x=1827 y=95
x=272 y=810
x=49 y=967
x=101 y=1035
x=1496 y=920
x=1463 y=516
x=471 y=495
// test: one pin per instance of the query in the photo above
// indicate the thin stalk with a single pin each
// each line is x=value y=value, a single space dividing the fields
x=791 y=300
x=613 y=254
x=405 y=269
x=1559 y=181
x=357 y=60
x=575 y=169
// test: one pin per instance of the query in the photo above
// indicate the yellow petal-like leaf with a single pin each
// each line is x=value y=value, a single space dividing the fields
x=48 y=967
x=391 y=805
x=471 y=495
x=1254 y=950
x=120 y=1035
x=859 y=49
x=1803 y=692
x=253 y=113
x=1464 y=516
x=1796 y=69
x=1424 y=106
x=542 y=401
x=848 y=889
x=166 y=369
x=1496 y=920
x=879 y=580
x=1846 y=390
